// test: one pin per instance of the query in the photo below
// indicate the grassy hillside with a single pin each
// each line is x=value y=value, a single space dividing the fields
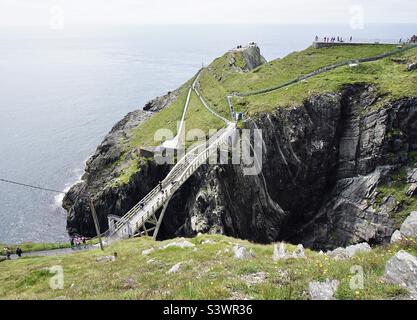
x=392 y=80
x=219 y=79
x=208 y=271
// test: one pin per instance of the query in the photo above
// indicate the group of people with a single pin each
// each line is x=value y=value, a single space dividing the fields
x=77 y=241
x=413 y=39
x=333 y=39
x=8 y=252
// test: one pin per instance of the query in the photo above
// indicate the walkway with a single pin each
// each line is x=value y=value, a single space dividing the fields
x=53 y=252
x=142 y=219
x=327 y=69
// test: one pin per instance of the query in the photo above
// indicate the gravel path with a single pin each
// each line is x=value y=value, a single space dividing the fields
x=54 y=252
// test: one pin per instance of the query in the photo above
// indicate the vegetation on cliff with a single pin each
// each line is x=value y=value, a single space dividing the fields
x=225 y=76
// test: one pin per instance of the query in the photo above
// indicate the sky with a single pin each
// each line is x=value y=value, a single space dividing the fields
x=110 y=12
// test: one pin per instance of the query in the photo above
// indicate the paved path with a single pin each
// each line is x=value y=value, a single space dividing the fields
x=54 y=252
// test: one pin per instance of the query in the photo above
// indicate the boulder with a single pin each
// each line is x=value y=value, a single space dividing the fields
x=412 y=175
x=279 y=252
x=401 y=269
x=409 y=227
x=147 y=252
x=240 y=252
x=179 y=244
x=412 y=191
x=106 y=259
x=175 y=268
x=129 y=283
x=350 y=251
x=396 y=236
x=299 y=252
x=412 y=66
x=358 y=248
x=2 y=259
x=254 y=278
x=323 y=290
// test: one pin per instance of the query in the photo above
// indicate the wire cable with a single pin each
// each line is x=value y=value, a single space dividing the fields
x=30 y=186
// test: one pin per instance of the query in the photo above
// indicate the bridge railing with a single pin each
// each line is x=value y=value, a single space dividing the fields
x=177 y=173
x=140 y=219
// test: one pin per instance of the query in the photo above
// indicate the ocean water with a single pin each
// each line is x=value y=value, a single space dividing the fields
x=62 y=91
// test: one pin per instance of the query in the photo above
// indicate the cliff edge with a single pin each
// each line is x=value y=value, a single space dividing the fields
x=339 y=153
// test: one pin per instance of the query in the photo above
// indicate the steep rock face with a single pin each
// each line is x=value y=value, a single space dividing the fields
x=252 y=57
x=322 y=163
x=245 y=59
x=98 y=181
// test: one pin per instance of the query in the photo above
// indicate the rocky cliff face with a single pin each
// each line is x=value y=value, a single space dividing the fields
x=323 y=162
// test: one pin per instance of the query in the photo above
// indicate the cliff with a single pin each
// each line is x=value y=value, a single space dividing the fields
x=339 y=155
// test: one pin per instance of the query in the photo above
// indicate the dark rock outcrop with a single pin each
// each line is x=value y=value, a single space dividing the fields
x=322 y=163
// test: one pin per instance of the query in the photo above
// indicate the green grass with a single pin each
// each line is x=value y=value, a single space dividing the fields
x=297 y=64
x=209 y=272
x=219 y=79
x=398 y=188
x=214 y=93
x=31 y=246
x=392 y=81
x=168 y=118
x=198 y=117
x=129 y=169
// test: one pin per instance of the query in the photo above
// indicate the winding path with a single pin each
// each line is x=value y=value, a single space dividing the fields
x=326 y=69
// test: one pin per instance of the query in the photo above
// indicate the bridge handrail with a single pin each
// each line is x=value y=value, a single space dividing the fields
x=201 y=157
x=191 y=156
x=213 y=142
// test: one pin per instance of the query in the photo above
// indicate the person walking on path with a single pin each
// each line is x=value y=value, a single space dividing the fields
x=77 y=242
x=19 y=252
x=160 y=187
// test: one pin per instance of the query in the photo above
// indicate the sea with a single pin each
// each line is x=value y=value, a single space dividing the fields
x=62 y=90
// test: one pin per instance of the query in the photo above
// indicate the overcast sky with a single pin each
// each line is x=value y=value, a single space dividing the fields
x=41 y=12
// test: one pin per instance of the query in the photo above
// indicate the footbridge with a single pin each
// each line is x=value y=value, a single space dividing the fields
x=142 y=219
